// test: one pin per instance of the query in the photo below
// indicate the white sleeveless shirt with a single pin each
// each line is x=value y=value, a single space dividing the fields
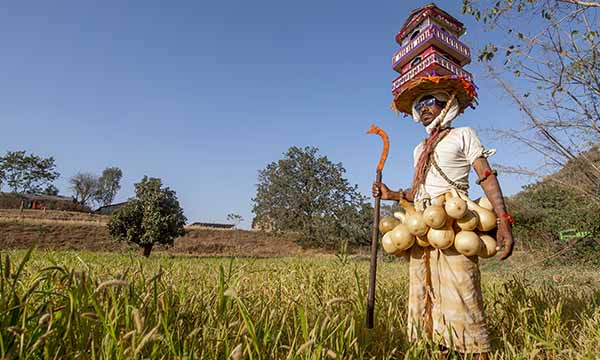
x=454 y=154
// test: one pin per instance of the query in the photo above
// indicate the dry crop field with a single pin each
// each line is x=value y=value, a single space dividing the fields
x=88 y=305
x=80 y=235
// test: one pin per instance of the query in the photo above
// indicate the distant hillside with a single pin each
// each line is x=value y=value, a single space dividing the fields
x=581 y=174
x=568 y=199
x=61 y=230
x=52 y=215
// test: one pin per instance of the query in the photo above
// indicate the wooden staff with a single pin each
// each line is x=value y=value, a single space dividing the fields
x=375 y=235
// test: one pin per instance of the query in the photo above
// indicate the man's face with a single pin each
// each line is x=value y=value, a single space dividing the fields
x=429 y=108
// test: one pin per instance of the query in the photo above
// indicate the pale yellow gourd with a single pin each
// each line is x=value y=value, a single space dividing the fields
x=485 y=203
x=413 y=219
x=455 y=206
x=488 y=248
x=439 y=200
x=400 y=215
x=468 y=222
x=388 y=244
x=467 y=243
x=487 y=218
x=441 y=238
x=387 y=224
x=401 y=237
x=435 y=216
x=422 y=241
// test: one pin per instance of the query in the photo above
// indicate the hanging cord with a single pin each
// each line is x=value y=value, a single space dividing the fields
x=428 y=152
x=428 y=293
x=462 y=187
x=431 y=160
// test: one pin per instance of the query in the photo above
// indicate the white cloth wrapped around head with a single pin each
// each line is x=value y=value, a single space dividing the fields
x=438 y=121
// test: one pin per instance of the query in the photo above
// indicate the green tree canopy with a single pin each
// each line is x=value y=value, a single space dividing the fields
x=50 y=190
x=307 y=194
x=154 y=216
x=27 y=173
x=109 y=184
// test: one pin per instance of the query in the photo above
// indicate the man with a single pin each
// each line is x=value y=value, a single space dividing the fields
x=445 y=301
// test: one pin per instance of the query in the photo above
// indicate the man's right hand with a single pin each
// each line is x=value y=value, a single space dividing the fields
x=381 y=190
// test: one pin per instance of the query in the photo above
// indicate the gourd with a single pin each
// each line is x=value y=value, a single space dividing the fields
x=388 y=244
x=387 y=224
x=441 y=238
x=435 y=216
x=468 y=222
x=487 y=218
x=439 y=200
x=400 y=216
x=467 y=243
x=488 y=248
x=401 y=237
x=485 y=203
x=455 y=206
x=422 y=241
x=413 y=219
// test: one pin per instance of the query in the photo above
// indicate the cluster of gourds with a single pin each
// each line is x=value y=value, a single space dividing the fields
x=450 y=219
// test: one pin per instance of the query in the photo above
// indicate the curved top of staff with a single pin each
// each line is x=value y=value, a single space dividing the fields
x=374 y=129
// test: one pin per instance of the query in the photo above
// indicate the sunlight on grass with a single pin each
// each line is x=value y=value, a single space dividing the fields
x=95 y=305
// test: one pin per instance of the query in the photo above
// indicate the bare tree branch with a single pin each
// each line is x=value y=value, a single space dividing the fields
x=568 y=154
x=582 y=3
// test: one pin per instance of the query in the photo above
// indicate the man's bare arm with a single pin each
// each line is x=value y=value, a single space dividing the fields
x=386 y=194
x=492 y=191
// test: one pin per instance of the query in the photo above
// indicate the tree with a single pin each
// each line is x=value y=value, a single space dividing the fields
x=236 y=219
x=27 y=173
x=84 y=186
x=306 y=193
x=50 y=190
x=108 y=185
x=153 y=216
x=555 y=46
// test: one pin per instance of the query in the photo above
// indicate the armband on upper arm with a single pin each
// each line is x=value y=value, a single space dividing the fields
x=486 y=174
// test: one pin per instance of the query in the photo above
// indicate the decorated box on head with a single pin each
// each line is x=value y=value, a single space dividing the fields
x=431 y=57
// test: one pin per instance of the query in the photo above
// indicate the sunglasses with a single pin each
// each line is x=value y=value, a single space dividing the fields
x=429 y=103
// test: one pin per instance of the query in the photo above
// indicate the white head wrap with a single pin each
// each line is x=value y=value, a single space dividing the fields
x=438 y=121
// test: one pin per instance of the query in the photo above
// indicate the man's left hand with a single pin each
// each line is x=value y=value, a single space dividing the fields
x=504 y=239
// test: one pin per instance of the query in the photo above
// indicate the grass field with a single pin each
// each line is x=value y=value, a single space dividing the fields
x=103 y=305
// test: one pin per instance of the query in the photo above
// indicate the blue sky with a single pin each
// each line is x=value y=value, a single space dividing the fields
x=204 y=94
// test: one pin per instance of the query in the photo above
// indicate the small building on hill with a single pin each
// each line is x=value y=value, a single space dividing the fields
x=40 y=202
x=212 y=225
x=110 y=209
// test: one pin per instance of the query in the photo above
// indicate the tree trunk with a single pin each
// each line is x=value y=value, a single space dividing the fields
x=147 y=249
